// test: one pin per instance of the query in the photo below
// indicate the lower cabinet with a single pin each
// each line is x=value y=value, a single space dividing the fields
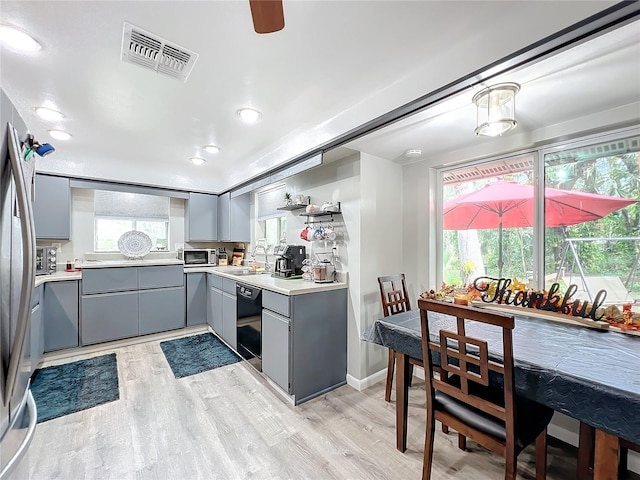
x=109 y=316
x=60 y=315
x=214 y=305
x=275 y=348
x=37 y=328
x=196 y=298
x=161 y=310
x=229 y=327
x=151 y=300
x=304 y=342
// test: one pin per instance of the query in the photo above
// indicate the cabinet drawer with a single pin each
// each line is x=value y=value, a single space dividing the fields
x=161 y=310
x=160 y=276
x=276 y=302
x=229 y=286
x=104 y=280
x=215 y=281
x=110 y=316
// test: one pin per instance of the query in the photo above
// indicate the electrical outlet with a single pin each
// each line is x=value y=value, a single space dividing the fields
x=58 y=247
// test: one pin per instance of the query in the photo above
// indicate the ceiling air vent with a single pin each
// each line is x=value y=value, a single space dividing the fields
x=155 y=53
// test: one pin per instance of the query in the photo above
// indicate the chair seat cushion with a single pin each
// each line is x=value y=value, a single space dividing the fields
x=531 y=417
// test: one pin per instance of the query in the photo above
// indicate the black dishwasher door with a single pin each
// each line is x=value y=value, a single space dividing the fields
x=249 y=324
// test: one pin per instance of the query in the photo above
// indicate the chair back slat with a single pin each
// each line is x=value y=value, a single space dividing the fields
x=394 y=295
x=466 y=358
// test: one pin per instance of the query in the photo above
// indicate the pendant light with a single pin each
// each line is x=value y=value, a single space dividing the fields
x=496 y=109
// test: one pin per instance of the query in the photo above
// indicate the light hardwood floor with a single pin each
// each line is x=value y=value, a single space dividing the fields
x=228 y=423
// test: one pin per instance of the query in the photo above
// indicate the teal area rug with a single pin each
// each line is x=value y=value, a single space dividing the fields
x=197 y=354
x=63 y=389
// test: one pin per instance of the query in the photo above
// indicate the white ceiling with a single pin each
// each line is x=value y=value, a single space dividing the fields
x=336 y=65
x=601 y=75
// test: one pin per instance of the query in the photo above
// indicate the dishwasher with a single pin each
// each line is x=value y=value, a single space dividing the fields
x=249 y=324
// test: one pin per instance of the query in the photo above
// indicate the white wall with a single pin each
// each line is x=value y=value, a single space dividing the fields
x=370 y=191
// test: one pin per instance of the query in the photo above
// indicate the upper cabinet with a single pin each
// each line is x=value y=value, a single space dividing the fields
x=52 y=208
x=233 y=218
x=224 y=217
x=202 y=218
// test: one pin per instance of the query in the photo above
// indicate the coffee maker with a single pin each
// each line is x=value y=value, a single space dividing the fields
x=289 y=261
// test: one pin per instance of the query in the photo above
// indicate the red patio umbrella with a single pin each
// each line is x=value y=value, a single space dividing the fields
x=506 y=204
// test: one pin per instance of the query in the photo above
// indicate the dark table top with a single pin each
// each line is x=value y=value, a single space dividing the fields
x=590 y=375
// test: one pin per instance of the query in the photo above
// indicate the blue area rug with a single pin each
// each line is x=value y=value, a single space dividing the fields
x=63 y=389
x=197 y=354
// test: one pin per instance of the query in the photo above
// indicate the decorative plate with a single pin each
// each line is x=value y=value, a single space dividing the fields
x=134 y=244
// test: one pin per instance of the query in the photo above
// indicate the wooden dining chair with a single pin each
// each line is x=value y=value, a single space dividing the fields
x=395 y=299
x=490 y=413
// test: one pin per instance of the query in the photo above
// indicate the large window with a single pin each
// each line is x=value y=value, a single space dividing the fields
x=592 y=219
x=120 y=212
x=488 y=217
x=589 y=220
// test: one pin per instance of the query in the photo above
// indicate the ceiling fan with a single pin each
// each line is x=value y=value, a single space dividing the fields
x=268 y=15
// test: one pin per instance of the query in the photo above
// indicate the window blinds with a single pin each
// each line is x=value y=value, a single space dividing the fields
x=125 y=204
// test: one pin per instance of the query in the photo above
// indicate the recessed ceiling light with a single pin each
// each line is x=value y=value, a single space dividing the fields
x=197 y=160
x=49 y=114
x=413 y=153
x=249 y=115
x=211 y=148
x=18 y=40
x=59 y=134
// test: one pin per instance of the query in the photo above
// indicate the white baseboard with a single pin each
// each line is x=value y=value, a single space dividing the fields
x=367 y=381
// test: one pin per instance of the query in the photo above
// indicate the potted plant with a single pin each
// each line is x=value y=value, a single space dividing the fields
x=287 y=199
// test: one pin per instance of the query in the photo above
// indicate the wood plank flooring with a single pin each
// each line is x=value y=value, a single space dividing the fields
x=228 y=423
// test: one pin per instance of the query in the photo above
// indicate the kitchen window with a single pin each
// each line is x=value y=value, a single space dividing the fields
x=271 y=223
x=587 y=233
x=118 y=212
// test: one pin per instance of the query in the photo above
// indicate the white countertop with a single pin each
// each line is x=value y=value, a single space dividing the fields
x=57 y=277
x=265 y=281
x=130 y=263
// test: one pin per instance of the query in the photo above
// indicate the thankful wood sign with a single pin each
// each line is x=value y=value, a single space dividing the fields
x=553 y=301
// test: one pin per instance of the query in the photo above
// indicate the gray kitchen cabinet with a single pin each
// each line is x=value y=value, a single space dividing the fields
x=234 y=217
x=275 y=348
x=109 y=316
x=104 y=280
x=160 y=276
x=214 y=306
x=60 y=315
x=201 y=218
x=52 y=207
x=161 y=310
x=37 y=327
x=196 y=298
x=300 y=330
x=224 y=218
x=240 y=218
x=122 y=302
x=229 y=327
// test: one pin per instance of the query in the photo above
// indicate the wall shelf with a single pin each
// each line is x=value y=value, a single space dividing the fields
x=320 y=216
x=295 y=206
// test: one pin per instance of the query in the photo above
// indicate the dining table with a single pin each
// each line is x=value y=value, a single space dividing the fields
x=590 y=375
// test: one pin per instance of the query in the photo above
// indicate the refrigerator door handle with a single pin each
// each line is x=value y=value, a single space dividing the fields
x=28 y=262
x=33 y=419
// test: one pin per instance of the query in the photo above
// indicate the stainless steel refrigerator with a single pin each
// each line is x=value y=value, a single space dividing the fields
x=18 y=414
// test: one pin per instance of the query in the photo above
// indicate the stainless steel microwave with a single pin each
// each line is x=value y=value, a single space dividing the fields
x=198 y=257
x=46 y=260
